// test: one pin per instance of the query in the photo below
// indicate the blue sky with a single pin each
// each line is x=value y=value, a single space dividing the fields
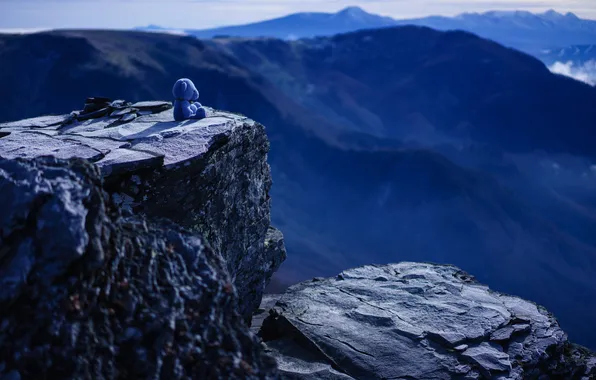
x=41 y=14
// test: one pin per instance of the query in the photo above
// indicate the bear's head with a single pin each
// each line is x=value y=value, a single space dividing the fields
x=184 y=89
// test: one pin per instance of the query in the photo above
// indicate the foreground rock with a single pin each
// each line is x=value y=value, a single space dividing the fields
x=416 y=321
x=85 y=294
x=210 y=176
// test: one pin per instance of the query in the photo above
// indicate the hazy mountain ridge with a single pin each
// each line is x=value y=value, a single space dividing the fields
x=531 y=32
x=299 y=25
x=350 y=188
x=519 y=29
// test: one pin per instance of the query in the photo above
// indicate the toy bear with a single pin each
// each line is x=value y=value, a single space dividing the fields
x=185 y=104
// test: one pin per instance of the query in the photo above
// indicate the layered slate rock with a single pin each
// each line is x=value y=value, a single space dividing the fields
x=210 y=176
x=88 y=294
x=416 y=321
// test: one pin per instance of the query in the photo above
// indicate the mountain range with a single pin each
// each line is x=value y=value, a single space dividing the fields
x=522 y=30
x=393 y=144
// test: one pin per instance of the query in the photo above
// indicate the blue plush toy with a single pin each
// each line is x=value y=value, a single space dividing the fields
x=186 y=105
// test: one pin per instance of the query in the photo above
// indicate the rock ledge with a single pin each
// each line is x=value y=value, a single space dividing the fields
x=416 y=321
x=210 y=176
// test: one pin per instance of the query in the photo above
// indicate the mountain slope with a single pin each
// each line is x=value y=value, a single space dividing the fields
x=386 y=145
x=429 y=86
x=53 y=72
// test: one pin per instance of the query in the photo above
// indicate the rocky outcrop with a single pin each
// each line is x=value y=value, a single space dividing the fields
x=209 y=176
x=88 y=294
x=416 y=321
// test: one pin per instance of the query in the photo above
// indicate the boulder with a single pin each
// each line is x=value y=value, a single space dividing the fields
x=416 y=321
x=210 y=176
x=86 y=293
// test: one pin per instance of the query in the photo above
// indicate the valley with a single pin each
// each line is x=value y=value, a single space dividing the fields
x=387 y=145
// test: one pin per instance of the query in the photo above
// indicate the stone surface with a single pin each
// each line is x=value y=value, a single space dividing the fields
x=89 y=294
x=32 y=144
x=210 y=176
x=293 y=361
x=416 y=321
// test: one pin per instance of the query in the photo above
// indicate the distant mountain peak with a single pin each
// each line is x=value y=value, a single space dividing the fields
x=571 y=15
x=503 y=14
x=554 y=15
x=353 y=11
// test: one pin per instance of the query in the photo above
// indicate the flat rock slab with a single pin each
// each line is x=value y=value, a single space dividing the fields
x=50 y=121
x=28 y=144
x=414 y=321
x=154 y=139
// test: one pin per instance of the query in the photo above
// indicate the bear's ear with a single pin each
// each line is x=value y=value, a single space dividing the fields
x=179 y=88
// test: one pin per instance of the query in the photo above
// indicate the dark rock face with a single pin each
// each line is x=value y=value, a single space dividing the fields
x=87 y=294
x=416 y=321
x=210 y=176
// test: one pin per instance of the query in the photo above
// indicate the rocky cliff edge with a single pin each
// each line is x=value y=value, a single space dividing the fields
x=209 y=176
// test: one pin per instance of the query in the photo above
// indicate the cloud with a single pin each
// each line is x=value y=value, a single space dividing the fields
x=585 y=72
x=21 y=30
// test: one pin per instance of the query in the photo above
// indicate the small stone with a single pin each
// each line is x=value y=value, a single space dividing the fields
x=128 y=117
x=118 y=104
x=502 y=334
x=521 y=328
x=152 y=104
x=93 y=114
x=489 y=357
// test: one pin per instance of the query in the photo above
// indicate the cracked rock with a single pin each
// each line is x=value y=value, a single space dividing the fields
x=450 y=327
x=489 y=357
